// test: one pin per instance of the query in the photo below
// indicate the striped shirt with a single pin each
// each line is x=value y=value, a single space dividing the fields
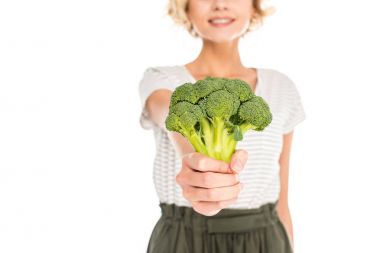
x=260 y=175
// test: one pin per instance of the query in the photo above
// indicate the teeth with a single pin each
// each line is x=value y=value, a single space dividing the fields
x=220 y=20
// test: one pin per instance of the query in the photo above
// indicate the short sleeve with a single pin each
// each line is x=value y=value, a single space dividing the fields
x=153 y=79
x=295 y=110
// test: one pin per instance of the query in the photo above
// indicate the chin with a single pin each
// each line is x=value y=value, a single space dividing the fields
x=222 y=37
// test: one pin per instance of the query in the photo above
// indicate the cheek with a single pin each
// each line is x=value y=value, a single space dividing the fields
x=245 y=17
x=245 y=9
x=199 y=11
x=200 y=21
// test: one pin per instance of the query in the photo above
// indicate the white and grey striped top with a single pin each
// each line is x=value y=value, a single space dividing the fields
x=260 y=175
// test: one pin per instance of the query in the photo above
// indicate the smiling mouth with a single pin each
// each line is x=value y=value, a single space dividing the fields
x=221 y=22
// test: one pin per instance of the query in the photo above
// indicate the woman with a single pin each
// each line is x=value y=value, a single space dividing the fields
x=204 y=207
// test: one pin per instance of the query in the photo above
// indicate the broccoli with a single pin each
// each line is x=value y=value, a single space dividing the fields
x=214 y=113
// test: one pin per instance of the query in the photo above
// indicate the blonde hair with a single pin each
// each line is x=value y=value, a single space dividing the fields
x=177 y=10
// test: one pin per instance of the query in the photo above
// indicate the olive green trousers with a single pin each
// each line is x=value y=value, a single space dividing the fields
x=180 y=229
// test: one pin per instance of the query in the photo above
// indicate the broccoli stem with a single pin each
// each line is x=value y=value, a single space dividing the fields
x=213 y=140
x=229 y=143
x=197 y=143
x=219 y=127
x=207 y=135
x=195 y=139
x=246 y=126
x=220 y=144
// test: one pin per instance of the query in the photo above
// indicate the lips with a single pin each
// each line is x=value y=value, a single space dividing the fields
x=221 y=21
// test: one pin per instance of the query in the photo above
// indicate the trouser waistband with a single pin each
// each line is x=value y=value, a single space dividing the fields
x=227 y=220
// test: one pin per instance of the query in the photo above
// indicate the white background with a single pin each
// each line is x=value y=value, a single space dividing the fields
x=76 y=167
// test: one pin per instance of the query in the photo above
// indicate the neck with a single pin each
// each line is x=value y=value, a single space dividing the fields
x=219 y=59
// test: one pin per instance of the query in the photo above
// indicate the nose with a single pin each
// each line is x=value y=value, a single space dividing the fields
x=220 y=5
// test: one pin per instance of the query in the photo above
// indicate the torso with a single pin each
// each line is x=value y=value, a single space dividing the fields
x=261 y=174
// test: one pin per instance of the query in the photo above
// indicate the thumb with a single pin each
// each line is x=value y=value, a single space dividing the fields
x=238 y=160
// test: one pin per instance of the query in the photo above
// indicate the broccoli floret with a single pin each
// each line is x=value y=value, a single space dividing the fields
x=254 y=114
x=208 y=85
x=215 y=113
x=185 y=118
x=185 y=92
x=239 y=88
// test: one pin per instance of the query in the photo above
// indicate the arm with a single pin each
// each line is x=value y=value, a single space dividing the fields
x=206 y=183
x=282 y=205
x=157 y=106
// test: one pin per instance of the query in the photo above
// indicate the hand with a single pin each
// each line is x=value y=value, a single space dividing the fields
x=209 y=184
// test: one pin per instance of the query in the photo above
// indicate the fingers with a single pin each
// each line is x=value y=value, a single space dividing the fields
x=206 y=179
x=213 y=194
x=201 y=162
x=210 y=208
x=210 y=184
x=238 y=160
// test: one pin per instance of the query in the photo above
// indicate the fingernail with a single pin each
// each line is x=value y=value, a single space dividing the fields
x=241 y=186
x=237 y=166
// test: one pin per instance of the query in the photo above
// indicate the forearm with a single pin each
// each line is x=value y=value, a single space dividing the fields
x=158 y=107
x=180 y=143
x=286 y=219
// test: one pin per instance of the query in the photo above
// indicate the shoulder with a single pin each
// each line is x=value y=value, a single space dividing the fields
x=272 y=74
x=160 y=71
x=157 y=76
x=167 y=77
x=278 y=80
